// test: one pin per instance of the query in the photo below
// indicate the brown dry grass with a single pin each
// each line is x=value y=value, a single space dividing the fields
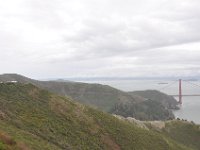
x=6 y=139
x=22 y=146
x=11 y=143
x=58 y=106
x=34 y=93
x=111 y=144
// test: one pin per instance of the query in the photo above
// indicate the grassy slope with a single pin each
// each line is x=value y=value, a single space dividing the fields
x=184 y=132
x=100 y=96
x=43 y=120
x=8 y=143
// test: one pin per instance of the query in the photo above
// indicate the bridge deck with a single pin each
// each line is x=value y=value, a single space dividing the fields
x=186 y=95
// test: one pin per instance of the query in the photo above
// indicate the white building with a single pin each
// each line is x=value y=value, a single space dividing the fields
x=11 y=81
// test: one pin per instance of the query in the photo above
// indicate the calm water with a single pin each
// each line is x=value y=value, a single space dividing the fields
x=190 y=108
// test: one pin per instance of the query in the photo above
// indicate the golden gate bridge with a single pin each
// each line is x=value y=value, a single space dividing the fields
x=180 y=94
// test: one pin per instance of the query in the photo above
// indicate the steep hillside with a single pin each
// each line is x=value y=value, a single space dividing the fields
x=166 y=100
x=42 y=120
x=101 y=96
x=184 y=132
x=104 y=98
x=145 y=110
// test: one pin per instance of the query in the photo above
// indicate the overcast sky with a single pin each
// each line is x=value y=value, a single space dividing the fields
x=94 y=38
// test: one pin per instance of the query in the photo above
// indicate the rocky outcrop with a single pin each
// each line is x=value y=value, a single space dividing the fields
x=157 y=125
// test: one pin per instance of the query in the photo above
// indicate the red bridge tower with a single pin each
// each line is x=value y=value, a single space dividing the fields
x=180 y=91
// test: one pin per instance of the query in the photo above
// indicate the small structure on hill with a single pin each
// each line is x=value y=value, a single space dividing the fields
x=13 y=81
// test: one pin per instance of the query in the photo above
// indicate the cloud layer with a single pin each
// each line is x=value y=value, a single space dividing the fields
x=58 y=38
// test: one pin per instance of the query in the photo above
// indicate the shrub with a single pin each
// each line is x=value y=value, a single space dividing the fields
x=2 y=146
x=7 y=139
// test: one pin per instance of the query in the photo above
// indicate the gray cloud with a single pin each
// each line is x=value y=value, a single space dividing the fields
x=100 y=38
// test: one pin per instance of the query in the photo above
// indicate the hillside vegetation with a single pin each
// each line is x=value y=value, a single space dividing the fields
x=44 y=121
x=100 y=96
x=107 y=98
x=145 y=110
x=182 y=131
x=8 y=143
x=166 y=100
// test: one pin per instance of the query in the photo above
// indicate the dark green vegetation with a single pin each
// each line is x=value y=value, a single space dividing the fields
x=166 y=100
x=41 y=121
x=155 y=106
x=107 y=98
x=145 y=110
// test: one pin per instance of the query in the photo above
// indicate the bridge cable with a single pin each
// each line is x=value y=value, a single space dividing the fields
x=168 y=85
x=192 y=83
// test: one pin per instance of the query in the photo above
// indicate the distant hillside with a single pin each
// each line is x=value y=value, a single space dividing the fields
x=145 y=110
x=15 y=77
x=44 y=121
x=102 y=97
x=166 y=100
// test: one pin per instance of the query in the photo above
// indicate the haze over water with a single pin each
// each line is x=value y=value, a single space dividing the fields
x=190 y=108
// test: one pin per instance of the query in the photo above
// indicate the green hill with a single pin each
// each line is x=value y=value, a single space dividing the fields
x=166 y=100
x=145 y=110
x=184 y=132
x=105 y=98
x=42 y=120
x=100 y=96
